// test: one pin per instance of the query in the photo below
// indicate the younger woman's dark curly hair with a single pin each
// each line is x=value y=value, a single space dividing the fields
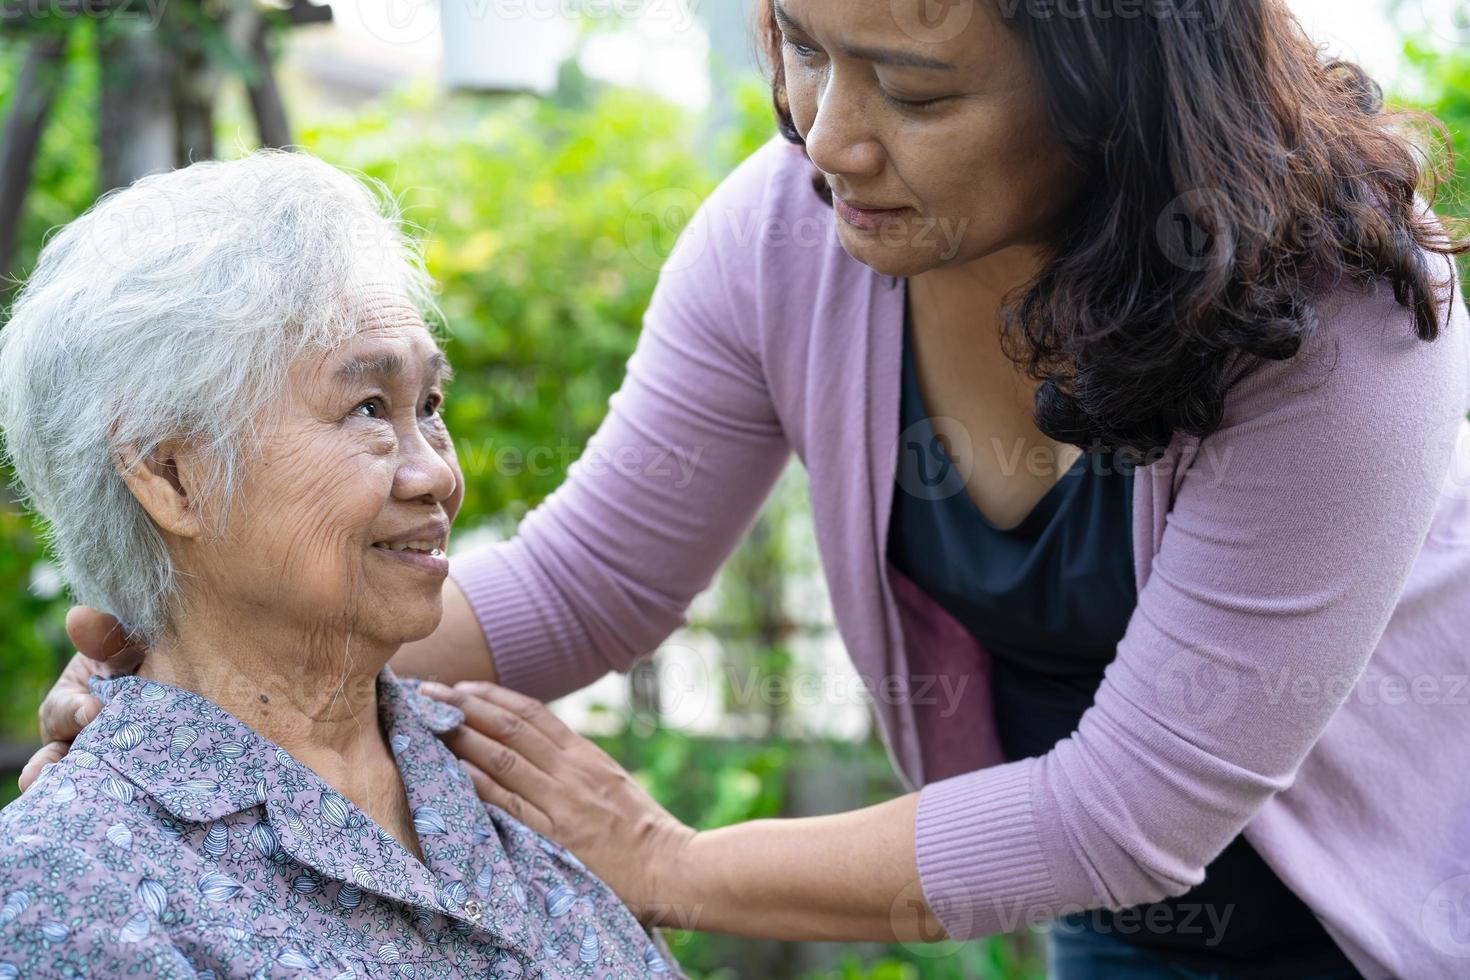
x=1230 y=171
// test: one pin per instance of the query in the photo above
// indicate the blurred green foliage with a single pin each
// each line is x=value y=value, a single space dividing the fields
x=1442 y=75
x=527 y=209
x=64 y=184
x=64 y=176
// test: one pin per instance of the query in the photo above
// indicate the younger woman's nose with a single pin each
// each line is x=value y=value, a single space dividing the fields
x=840 y=143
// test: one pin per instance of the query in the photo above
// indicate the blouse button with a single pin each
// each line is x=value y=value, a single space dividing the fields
x=473 y=910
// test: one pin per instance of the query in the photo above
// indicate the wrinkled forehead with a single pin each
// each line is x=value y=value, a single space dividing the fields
x=390 y=342
x=375 y=307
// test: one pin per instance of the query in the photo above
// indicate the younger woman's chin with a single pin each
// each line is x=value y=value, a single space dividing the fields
x=899 y=262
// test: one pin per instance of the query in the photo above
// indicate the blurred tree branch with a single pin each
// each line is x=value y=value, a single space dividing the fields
x=40 y=79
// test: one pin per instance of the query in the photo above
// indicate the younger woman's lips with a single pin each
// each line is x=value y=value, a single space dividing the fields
x=866 y=219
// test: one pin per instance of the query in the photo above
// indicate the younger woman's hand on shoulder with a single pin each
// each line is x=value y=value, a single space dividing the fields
x=526 y=761
x=69 y=707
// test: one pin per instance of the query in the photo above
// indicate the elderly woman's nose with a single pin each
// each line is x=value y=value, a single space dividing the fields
x=423 y=470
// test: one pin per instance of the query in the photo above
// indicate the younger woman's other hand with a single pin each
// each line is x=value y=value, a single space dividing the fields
x=69 y=706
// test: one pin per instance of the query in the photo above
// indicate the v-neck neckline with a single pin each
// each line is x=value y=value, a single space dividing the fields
x=1045 y=507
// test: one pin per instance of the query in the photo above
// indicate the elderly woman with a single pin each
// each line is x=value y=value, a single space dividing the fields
x=220 y=393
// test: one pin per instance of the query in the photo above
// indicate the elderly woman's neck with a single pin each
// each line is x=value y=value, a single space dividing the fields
x=312 y=692
x=314 y=695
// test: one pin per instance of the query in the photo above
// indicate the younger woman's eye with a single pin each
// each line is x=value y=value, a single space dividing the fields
x=802 y=50
x=913 y=105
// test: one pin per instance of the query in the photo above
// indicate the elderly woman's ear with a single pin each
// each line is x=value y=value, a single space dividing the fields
x=163 y=483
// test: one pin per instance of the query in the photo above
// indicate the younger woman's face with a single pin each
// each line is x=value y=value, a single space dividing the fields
x=928 y=112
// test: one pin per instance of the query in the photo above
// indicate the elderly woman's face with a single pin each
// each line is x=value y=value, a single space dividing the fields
x=344 y=517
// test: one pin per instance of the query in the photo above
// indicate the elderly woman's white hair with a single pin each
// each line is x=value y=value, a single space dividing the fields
x=173 y=310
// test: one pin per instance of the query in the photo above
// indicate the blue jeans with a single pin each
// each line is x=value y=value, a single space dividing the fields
x=1075 y=953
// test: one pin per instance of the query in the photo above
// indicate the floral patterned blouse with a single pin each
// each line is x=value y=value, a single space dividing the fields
x=173 y=841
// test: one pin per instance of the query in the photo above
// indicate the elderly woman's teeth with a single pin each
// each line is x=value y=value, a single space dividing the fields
x=422 y=547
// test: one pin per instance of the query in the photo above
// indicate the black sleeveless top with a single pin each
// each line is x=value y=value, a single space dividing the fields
x=1049 y=599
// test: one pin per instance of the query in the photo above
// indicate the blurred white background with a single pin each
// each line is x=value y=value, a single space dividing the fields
x=665 y=45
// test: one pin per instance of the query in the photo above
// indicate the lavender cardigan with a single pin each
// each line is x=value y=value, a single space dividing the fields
x=1296 y=666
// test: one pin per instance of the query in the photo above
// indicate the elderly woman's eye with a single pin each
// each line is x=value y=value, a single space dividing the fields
x=375 y=407
x=432 y=406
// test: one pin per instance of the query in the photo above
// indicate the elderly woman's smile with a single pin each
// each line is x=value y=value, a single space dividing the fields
x=235 y=437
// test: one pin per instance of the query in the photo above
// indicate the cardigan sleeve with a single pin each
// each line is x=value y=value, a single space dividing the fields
x=1281 y=561
x=603 y=570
